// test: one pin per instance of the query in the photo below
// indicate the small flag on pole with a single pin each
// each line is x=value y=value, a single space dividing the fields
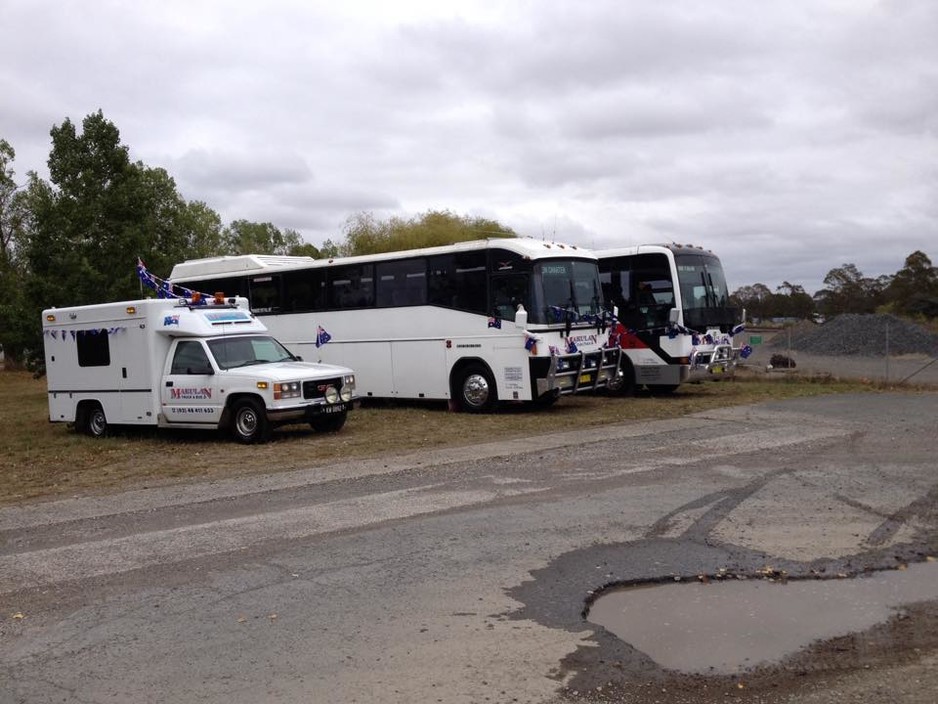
x=322 y=337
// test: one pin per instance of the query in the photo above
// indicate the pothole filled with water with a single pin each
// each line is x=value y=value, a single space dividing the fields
x=728 y=626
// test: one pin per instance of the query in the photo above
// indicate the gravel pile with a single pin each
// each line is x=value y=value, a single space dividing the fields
x=863 y=335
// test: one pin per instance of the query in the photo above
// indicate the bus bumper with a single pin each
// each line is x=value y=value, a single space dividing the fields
x=720 y=362
x=573 y=373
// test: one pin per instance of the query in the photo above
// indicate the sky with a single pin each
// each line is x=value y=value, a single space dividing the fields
x=788 y=137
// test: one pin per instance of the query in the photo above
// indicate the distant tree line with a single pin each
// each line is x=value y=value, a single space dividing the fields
x=75 y=239
x=911 y=292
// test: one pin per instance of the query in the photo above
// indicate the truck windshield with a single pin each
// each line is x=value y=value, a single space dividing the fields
x=232 y=352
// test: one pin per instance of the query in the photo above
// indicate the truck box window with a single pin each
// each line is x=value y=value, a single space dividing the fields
x=93 y=348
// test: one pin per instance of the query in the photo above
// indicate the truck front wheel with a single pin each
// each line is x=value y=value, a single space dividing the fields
x=249 y=422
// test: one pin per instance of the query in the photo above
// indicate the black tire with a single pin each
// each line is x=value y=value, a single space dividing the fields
x=249 y=422
x=547 y=400
x=91 y=421
x=623 y=384
x=475 y=389
x=330 y=423
x=662 y=389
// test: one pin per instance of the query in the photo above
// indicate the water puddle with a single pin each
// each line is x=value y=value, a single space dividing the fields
x=726 y=626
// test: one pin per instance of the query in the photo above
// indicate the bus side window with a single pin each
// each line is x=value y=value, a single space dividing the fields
x=401 y=282
x=352 y=286
x=458 y=281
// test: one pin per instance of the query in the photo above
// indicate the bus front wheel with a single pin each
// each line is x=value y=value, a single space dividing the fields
x=476 y=389
x=623 y=383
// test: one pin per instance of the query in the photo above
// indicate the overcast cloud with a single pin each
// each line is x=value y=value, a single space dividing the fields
x=788 y=137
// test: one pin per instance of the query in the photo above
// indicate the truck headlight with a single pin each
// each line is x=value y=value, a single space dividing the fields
x=288 y=389
x=332 y=394
x=348 y=388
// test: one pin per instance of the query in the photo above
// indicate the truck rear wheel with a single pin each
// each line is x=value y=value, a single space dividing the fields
x=328 y=424
x=249 y=422
x=91 y=421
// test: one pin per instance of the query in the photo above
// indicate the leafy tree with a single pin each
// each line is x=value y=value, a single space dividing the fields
x=245 y=237
x=13 y=218
x=848 y=291
x=756 y=299
x=792 y=301
x=365 y=234
x=914 y=289
x=95 y=216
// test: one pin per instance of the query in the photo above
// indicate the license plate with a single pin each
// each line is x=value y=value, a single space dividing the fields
x=718 y=369
x=586 y=378
x=326 y=410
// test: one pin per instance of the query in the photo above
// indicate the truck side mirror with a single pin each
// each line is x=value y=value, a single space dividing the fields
x=673 y=316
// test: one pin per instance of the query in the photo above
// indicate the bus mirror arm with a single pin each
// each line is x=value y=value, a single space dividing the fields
x=521 y=317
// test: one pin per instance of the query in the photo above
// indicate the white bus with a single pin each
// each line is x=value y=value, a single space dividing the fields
x=474 y=323
x=675 y=324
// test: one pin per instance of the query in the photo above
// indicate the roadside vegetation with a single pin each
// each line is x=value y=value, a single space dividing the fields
x=39 y=459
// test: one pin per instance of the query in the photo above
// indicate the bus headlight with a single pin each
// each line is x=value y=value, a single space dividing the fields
x=332 y=394
x=289 y=389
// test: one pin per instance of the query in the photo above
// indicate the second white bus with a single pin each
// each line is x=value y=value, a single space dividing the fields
x=675 y=324
x=474 y=323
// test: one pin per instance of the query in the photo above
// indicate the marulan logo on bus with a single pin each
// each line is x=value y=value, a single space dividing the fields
x=191 y=394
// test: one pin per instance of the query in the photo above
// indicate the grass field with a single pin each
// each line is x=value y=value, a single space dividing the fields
x=42 y=459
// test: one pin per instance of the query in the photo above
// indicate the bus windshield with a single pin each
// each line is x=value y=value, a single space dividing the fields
x=703 y=288
x=560 y=285
x=703 y=284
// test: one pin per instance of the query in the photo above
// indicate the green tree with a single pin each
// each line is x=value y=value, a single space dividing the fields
x=13 y=218
x=245 y=237
x=365 y=234
x=96 y=215
x=756 y=299
x=913 y=290
x=793 y=302
x=848 y=291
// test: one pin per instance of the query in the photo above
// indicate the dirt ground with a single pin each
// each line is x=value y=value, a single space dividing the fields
x=906 y=369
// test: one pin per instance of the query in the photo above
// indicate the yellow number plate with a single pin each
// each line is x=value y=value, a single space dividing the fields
x=586 y=378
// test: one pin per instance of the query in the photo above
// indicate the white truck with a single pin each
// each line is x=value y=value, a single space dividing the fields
x=184 y=364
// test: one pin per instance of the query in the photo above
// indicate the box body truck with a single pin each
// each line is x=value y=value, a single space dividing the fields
x=184 y=364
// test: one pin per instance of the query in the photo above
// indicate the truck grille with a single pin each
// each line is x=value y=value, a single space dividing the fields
x=317 y=389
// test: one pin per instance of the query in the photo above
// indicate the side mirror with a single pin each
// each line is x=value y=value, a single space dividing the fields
x=297 y=358
x=521 y=317
x=673 y=315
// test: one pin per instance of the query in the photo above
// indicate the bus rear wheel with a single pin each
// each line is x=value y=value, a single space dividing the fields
x=476 y=389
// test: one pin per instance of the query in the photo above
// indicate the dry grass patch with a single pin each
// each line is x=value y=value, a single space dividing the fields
x=42 y=459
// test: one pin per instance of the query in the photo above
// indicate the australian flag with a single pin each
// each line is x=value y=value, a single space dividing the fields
x=571 y=346
x=495 y=323
x=322 y=337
